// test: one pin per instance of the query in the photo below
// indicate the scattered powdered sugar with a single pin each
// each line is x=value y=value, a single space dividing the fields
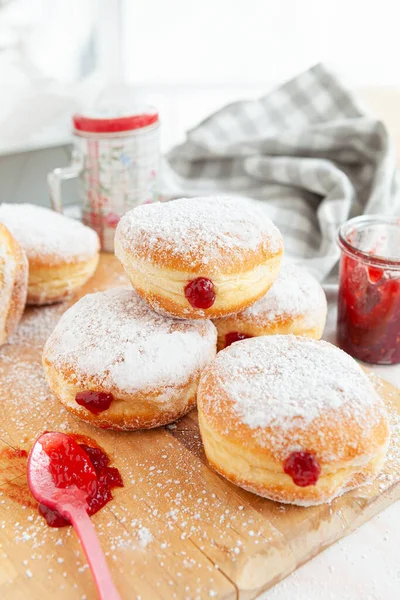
x=284 y=381
x=47 y=235
x=208 y=232
x=37 y=324
x=115 y=338
x=145 y=536
x=7 y=265
x=296 y=293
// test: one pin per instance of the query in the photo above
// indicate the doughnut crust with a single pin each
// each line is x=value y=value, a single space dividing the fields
x=231 y=241
x=62 y=253
x=264 y=398
x=295 y=303
x=112 y=342
x=13 y=283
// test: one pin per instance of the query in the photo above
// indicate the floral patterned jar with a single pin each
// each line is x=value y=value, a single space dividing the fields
x=116 y=160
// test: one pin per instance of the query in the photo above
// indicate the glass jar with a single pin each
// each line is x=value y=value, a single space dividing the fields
x=368 y=325
x=116 y=161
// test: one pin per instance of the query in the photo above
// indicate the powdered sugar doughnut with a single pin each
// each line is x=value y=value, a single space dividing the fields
x=62 y=253
x=114 y=362
x=292 y=419
x=199 y=257
x=295 y=303
x=13 y=283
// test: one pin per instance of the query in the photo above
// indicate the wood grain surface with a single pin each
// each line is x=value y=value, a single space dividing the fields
x=177 y=529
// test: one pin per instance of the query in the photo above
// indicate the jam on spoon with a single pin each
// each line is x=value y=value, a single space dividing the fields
x=62 y=477
x=100 y=491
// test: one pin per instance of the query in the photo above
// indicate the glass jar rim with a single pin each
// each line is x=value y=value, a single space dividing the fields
x=351 y=250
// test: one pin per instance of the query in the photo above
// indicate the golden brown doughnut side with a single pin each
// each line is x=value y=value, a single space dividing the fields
x=254 y=473
x=283 y=325
x=49 y=283
x=141 y=410
x=208 y=236
x=236 y=260
x=164 y=287
x=17 y=300
x=38 y=261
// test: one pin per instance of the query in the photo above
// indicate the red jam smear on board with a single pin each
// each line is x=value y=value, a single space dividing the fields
x=96 y=402
x=303 y=468
x=68 y=468
x=200 y=292
x=235 y=336
x=368 y=325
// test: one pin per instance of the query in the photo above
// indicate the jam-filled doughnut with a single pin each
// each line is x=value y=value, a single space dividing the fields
x=200 y=257
x=292 y=419
x=62 y=253
x=13 y=283
x=114 y=362
x=295 y=303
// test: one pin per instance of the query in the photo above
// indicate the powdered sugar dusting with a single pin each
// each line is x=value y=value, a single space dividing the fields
x=37 y=324
x=296 y=293
x=287 y=381
x=145 y=536
x=47 y=235
x=211 y=231
x=7 y=266
x=115 y=338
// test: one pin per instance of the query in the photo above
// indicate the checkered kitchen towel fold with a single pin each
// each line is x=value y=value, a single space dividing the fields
x=306 y=150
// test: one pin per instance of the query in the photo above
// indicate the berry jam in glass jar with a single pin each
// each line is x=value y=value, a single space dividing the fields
x=368 y=324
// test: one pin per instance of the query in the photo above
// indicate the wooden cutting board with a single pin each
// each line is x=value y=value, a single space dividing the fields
x=177 y=529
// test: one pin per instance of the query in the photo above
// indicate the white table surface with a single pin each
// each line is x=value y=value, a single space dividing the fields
x=364 y=565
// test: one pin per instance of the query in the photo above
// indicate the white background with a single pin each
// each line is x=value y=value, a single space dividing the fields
x=207 y=42
x=248 y=42
x=188 y=57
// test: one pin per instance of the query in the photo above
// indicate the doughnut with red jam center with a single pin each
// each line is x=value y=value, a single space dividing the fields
x=292 y=419
x=197 y=258
x=114 y=362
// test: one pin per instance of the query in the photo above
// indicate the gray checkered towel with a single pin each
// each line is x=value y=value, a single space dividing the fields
x=306 y=150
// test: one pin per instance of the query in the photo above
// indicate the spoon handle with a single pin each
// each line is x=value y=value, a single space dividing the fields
x=94 y=554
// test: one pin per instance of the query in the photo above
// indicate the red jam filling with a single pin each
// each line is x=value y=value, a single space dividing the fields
x=69 y=463
x=303 y=468
x=88 y=468
x=369 y=312
x=235 y=336
x=96 y=402
x=200 y=292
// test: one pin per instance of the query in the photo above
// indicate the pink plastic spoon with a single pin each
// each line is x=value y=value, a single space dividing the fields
x=60 y=476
